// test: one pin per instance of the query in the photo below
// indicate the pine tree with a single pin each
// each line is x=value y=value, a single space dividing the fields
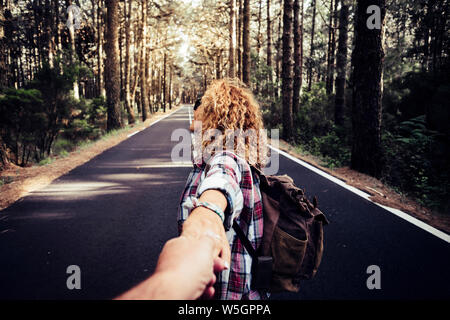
x=367 y=63
x=286 y=88
x=341 y=64
x=246 y=44
x=112 y=73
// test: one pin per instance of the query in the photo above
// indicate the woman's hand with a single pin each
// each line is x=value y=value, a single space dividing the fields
x=203 y=221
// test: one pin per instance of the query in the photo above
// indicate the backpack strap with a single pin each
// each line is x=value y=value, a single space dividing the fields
x=248 y=246
x=244 y=240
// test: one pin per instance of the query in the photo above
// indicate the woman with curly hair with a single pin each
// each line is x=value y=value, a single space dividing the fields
x=221 y=187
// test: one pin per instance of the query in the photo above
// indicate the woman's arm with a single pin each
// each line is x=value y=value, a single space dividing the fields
x=202 y=221
x=221 y=187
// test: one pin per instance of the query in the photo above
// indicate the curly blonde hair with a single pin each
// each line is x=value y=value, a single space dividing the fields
x=229 y=108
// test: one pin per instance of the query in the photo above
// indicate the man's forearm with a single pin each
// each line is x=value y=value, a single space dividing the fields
x=160 y=286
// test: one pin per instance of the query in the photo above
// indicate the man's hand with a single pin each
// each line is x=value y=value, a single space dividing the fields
x=185 y=270
x=191 y=261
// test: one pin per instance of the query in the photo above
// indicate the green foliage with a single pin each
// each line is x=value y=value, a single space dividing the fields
x=6 y=180
x=417 y=164
x=54 y=85
x=80 y=129
x=415 y=133
x=23 y=119
x=271 y=109
x=316 y=133
x=88 y=120
x=45 y=161
x=96 y=113
x=62 y=145
x=331 y=148
x=315 y=116
x=420 y=93
x=416 y=136
x=260 y=80
x=33 y=117
x=63 y=153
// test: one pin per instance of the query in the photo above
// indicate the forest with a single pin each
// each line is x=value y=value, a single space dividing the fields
x=363 y=84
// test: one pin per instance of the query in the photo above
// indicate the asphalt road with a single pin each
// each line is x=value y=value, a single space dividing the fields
x=112 y=215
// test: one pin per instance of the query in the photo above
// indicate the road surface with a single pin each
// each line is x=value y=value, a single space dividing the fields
x=112 y=215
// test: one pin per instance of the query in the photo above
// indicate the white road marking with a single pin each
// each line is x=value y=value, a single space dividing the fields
x=167 y=115
x=323 y=174
x=132 y=134
x=169 y=165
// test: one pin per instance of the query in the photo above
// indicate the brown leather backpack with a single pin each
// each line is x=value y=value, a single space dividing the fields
x=292 y=244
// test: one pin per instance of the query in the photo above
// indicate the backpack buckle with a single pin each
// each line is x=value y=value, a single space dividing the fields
x=261 y=272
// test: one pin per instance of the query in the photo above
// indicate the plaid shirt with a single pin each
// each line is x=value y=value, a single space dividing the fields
x=231 y=175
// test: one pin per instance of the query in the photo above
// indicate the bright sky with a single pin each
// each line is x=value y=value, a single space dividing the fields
x=185 y=46
x=194 y=3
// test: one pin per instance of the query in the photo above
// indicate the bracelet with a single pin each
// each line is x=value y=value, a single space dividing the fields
x=210 y=206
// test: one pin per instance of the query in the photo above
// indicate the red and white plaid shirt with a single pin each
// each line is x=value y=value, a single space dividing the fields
x=231 y=175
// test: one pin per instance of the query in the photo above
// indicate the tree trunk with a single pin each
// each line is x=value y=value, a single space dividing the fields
x=298 y=63
x=134 y=75
x=121 y=64
x=258 y=38
x=330 y=54
x=58 y=42
x=232 y=48
x=76 y=90
x=331 y=47
x=170 y=88
x=341 y=65
x=286 y=88
x=217 y=64
x=37 y=30
x=239 y=39
x=100 y=75
x=112 y=80
x=311 y=51
x=143 y=82
x=22 y=75
x=128 y=102
x=367 y=61
x=164 y=92
x=153 y=93
x=147 y=42
x=269 y=45
x=246 y=44
x=49 y=17
x=278 y=58
x=4 y=70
